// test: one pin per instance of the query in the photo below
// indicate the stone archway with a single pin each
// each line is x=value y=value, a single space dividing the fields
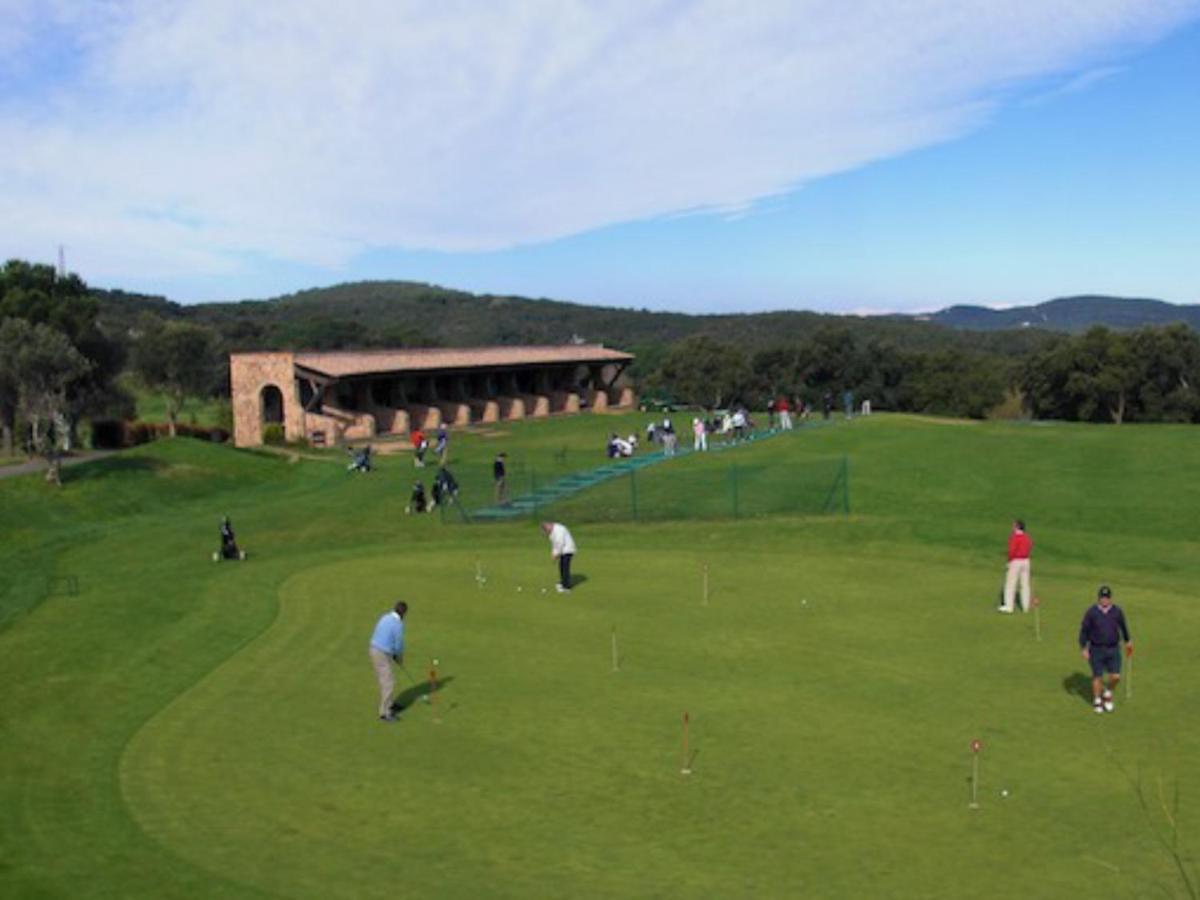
x=271 y=404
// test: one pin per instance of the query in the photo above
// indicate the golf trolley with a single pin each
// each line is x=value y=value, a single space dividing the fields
x=229 y=548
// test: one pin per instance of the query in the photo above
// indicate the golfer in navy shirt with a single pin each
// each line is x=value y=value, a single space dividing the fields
x=1100 y=638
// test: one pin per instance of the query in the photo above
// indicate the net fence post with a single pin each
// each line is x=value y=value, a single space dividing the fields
x=533 y=503
x=846 y=485
x=633 y=505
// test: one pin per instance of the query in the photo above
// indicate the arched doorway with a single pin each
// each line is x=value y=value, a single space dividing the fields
x=272 y=405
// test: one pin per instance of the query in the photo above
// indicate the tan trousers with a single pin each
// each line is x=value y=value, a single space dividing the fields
x=1018 y=570
x=387 y=681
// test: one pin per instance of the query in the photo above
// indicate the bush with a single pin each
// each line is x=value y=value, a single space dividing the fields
x=273 y=434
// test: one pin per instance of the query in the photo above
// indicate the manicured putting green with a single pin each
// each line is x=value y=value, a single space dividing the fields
x=220 y=737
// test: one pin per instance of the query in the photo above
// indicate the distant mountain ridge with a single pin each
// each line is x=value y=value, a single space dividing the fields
x=1070 y=314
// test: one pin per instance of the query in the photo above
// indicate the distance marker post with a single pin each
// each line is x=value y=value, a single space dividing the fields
x=685 y=769
x=976 y=746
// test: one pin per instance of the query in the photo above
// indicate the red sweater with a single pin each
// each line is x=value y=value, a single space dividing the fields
x=1019 y=546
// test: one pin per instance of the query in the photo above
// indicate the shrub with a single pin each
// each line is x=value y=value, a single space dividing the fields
x=273 y=434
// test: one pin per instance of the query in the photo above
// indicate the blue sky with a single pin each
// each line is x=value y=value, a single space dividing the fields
x=681 y=154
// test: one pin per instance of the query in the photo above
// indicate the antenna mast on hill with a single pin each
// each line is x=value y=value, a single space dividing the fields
x=62 y=261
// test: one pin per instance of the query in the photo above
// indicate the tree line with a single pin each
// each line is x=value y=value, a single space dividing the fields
x=63 y=346
x=1148 y=375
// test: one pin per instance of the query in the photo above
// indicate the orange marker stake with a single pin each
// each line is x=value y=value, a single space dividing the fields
x=685 y=770
x=433 y=691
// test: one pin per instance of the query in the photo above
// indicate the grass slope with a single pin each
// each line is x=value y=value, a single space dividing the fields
x=183 y=729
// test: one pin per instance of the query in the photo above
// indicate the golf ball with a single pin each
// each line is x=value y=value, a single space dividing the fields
x=543 y=590
x=1004 y=793
x=435 y=662
x=518 y=587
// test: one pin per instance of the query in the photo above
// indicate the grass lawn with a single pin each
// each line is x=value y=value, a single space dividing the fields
x=179 y=728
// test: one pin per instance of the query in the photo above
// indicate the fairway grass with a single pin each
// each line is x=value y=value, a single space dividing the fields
x=180 y=728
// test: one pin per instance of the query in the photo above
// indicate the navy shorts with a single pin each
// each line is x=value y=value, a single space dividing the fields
x=1104 y=659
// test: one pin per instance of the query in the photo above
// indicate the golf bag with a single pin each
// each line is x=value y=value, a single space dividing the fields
x=445 y=488
x=229 y=548
x=417 y=502
x=360 y=461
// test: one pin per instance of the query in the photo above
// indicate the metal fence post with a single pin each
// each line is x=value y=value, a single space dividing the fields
x=633 y=493
x=846 y=485
x=533 y=503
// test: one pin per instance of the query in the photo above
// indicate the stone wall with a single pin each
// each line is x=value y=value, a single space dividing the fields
x=249 y=373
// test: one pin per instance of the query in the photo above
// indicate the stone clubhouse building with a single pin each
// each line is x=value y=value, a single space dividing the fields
x=326 y=398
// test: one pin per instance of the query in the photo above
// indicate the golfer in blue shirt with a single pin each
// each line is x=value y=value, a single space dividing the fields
x=387 y=646
x=1100 y=638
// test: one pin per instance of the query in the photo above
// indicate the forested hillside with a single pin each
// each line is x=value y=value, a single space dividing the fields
x=916 y=364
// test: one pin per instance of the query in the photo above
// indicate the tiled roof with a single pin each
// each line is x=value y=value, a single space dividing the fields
x=345 y=363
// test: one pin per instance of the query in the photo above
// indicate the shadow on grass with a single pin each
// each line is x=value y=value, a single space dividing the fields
x=578 y=578
x=1080 y=685
x=96 y=469
x=413 y=693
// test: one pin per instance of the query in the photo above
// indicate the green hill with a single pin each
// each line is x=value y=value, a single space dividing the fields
x=1071 y=314
x=396 y=313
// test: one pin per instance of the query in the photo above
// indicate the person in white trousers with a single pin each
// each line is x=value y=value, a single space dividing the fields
x=1020 y=547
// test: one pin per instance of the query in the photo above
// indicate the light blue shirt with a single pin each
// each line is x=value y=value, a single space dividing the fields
x=389 y=634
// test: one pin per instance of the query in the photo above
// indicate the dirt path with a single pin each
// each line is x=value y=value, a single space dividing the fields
x=39 y=465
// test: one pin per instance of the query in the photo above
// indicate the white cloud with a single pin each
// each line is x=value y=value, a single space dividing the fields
x=188 y=134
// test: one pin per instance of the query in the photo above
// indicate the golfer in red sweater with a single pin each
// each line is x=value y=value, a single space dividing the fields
x=1019 y=548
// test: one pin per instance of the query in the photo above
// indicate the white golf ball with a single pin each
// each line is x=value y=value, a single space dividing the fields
x=1004 y=793
x=543 y=590
x=435 y=662
x=518 y=587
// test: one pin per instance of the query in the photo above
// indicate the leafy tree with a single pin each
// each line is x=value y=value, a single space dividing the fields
x=706 y=372
x=177 y=358
x=39 y=295
x=1169 y=373
x=10 y=383
x=955 y=384
x=43 y=364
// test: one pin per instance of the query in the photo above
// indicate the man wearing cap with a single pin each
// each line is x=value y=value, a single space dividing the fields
x=1019 y=549
x=387 y=646
x=1100 y=637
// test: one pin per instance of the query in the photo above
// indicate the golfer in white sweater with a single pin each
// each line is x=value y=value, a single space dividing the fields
x=562 y=548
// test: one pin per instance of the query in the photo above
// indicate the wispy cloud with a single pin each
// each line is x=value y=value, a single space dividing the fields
x=182 y=137
x=1076 y=84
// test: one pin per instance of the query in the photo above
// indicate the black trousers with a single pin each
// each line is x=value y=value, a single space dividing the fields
x=564 y=569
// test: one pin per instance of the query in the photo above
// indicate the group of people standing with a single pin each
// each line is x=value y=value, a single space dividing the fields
x=1101 y=632
x=445 y=487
